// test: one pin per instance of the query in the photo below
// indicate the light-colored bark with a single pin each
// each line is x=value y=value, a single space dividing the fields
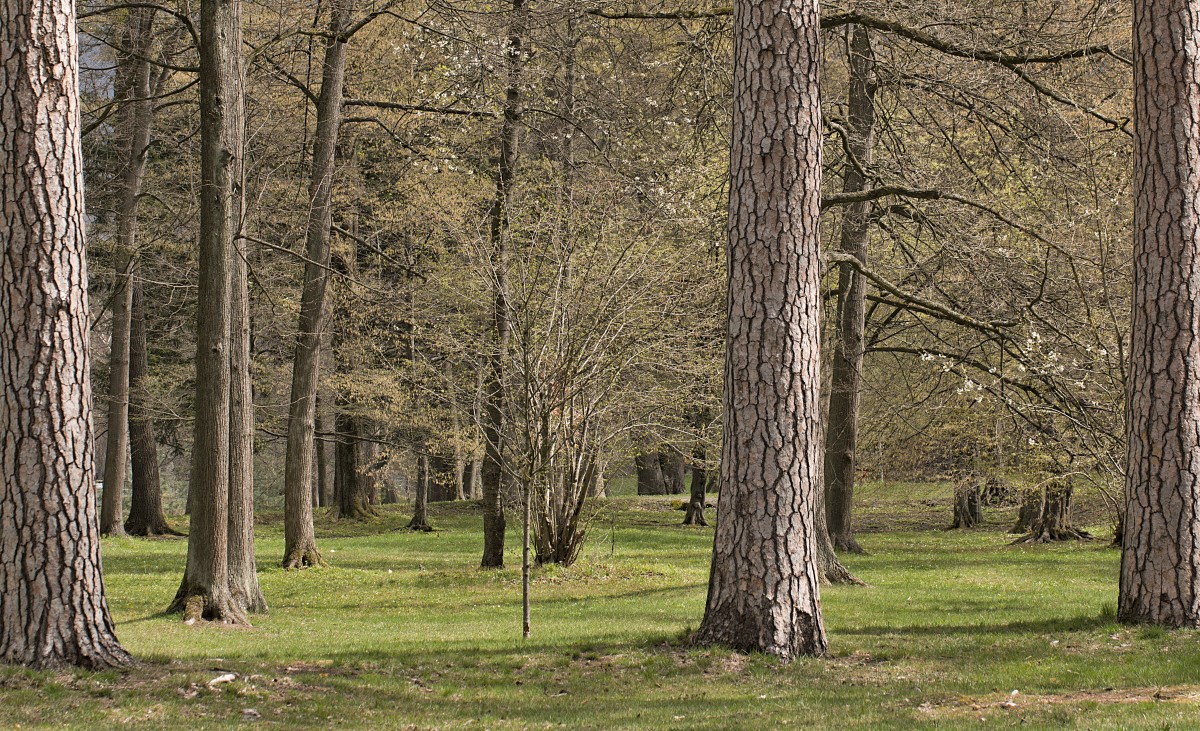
x=764 y=587
x=52 y=606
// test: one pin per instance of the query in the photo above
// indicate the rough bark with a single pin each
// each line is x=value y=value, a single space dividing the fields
x=493 y=473
x=134 y=122
x=699 y=491
x=1031 y=501
x=145 y=503
x=764 y=588
x=300 y=542
x=52 y=606
x=841 y=436
x=205 y=591
x=1050 y=518
x=353 y=482
x=420 y=519
x=1160 y=559
x=650 y=480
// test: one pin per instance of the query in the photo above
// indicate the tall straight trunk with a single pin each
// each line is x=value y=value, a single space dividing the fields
x=352 y=488
x=493 y=473
x=300 y=543
x=52 y=606
x=841 y=436
x=135 y=119
x=1160 y=558
x=324 y=460
x=764 y=588
x=243 y=569
x=205 y=591
x=145 y=504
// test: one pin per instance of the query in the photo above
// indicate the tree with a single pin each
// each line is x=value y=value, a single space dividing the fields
x=300 y=543
x=764 y=587
x=145 y=502
x=205 y=592
x=53 y=610
x=1160 y=558
x=841 y=432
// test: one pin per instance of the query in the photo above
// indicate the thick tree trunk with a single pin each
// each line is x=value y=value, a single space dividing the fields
x=699 y=491
x=243 y=569
x=1160 y=560
x=650 y=480
x=300 y=543
x=420 y=519
x=442 y=475
x=495 y=400
x=205 y=591
x=764 y=588
x=841 y=436
x=52 y=606
x=1031 y=501
x=674 y=471
x=968 y=504
x=135 y=119
x=145 y=504
x=352 y=483
x=1050 y=515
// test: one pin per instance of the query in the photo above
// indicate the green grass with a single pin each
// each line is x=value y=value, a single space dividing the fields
x=402 y=631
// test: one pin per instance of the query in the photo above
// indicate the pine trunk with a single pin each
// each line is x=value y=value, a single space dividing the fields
x=52 y=609
x=846 y=381
x=764 y=588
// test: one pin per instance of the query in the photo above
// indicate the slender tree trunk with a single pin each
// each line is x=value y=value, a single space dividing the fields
x=842 y=431
x=699 y=491
x=494 y=393
x=300 y=543
x=1160 y=560
x=135 y=119
x=243 y=569
x=324 y=461
x=420 y=519
x=145 y=505
x=52 y=606
x=764 y=589
x=205 y=591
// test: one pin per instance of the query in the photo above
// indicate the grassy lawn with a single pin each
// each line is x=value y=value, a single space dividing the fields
x=402 y=631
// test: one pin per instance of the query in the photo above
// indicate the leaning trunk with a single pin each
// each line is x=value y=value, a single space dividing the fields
x=52 y=609
x=841 y=440
x=300 y=542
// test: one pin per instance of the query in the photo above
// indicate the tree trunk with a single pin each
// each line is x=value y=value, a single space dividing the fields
x=243 y=569
x=494 y=395
x=134 y=119
x=324 y=461
x=145 y=505
x=300 y=542
x=352 y=486
x=846 y=381
x=420 y=519
x=764 y=588
x=205 y=591
x=650 y=480
x=699 y=491
x=52 y=610
x=968 y=505
x=441 y=478
x=1031 y=501
x=674 y=471
x=1160 y=559
x=1050 y=515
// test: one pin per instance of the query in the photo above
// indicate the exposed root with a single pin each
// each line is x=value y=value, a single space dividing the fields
x=303 y=557
x=197 y=605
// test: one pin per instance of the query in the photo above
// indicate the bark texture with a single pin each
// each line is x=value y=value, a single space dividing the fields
x=1160 y=559
x=650 y=479
x=205 y=592
x=353 y=482
x=764 y=588
x=841 y=436
x=968 y=505
x=52 y=606
x=674 y=471
x=420 y=519
x=699 y=491
x=300 y=543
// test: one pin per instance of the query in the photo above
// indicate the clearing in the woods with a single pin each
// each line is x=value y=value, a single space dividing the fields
x=956 y=628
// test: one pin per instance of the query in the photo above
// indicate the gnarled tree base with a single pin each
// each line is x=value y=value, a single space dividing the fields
x=968 y=505
x=695 y=513
x=197 y=604
x=150 y=528
x=303 y=557
x=846 y=544
x=1050 y=508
